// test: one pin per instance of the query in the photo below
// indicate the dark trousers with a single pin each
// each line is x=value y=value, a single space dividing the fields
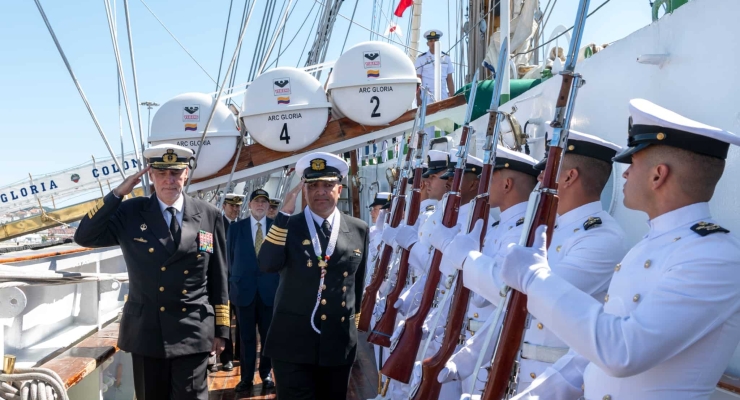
x=310 y=382
x=232 y=343
x=179 y=378
x=250 y=318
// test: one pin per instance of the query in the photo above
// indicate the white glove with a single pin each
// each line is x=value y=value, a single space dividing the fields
x=454 y=255
x=448 y=373
x=407 y=235
x=442 y=236
x=523 y=264
x=389 y=233
x=385 y=287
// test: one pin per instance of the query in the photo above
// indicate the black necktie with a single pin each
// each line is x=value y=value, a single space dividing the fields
x=174 y=226
x=326 y=228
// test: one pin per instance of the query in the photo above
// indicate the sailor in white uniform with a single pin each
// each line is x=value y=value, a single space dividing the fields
x=425 y=68
x=671 y=318
x=381 y=198
x=512 y=181
x=587 y=243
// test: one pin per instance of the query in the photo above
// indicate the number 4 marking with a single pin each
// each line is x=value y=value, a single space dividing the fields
x=376 y=100
x=284 y=134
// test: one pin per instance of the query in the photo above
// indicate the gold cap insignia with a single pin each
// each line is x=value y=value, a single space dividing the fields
x=432 y=33
x=318 y=164
x=143 y=227
x=170 y=157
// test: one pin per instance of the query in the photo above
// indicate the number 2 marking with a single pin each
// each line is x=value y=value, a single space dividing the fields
x=375 y=113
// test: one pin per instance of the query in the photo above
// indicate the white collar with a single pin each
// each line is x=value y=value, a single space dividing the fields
x=255 y=220
x=178 y=204
x=428 y=202
x=673 y=219
x=579 y=213
x=512 y=212
x=320 y=220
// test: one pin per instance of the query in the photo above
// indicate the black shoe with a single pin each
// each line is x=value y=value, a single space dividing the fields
x=229 y=366
x=267 y=383
x=244 y=386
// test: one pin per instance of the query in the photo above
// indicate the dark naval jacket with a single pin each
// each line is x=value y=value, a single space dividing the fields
x=178 y=297
x=288 y=249
x=245 y=277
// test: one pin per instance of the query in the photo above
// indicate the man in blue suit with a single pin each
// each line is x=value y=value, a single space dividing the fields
x=251 y=291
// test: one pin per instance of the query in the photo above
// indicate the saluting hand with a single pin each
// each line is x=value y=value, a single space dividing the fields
x=128 y=184
x=290 y=199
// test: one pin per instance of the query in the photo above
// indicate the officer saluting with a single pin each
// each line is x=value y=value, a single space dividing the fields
x=320 y=254
x=425 y=68
x=174 y=248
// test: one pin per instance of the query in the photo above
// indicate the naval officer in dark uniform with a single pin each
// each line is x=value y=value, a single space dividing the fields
x=320 y=254
x=177 y=311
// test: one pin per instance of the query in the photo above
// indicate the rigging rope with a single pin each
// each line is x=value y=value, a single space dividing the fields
x=223 y=47
x=178 y=42
x=349 y=27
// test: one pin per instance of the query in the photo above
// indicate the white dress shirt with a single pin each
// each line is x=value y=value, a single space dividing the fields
x=179 y=204
x=263 y=227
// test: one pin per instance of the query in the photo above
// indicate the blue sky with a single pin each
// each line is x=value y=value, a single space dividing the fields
x=47 y=127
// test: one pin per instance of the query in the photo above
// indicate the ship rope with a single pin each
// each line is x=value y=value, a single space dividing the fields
x=32 y=384
x=223 y=47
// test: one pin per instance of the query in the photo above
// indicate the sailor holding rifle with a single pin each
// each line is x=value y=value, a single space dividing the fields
x=671 y=318
x=174 y=246
x=320 y=254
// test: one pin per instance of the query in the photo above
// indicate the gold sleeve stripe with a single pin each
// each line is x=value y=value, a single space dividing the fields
x=221 y=307
x=278 y=234
x=277 y=229
x=95 y=208
x=276 y=238
x=273 y=241
x=222 y=321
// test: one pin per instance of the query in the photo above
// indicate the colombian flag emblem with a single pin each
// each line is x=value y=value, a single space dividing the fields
x=283 y=100
x=191 y=127
x=373 y=73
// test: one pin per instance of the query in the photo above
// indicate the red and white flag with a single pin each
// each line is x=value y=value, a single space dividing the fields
x=402 y=6
x=393 y=28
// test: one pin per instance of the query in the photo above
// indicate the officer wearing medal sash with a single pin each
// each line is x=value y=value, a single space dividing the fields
x=174 y=246
x=670 y=321
x=320 y=254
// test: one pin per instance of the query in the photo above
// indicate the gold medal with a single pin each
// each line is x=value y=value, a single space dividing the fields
x=322 y=264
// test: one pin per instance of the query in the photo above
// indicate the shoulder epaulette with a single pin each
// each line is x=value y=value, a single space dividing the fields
x=495 y=224
x=705 y=228
x=520 y=221
x=422 y=54
x=591 y=222
x=430 y=207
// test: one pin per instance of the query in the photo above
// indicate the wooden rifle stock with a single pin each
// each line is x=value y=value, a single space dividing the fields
x=430 y=387
x=381 y=264
x=512 y=329
x=381 y=334
x=401 y=361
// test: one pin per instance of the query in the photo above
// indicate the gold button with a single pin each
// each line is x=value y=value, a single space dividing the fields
x=344 y=288
x=323 y=317
x=184 y=309
x=184 y=292
x=607 y=397
x=606 y=298
x=323 y=302
x=472 y=333
x=540 y=326
x=185 y=272
x=343 y=303
x=618 y=267
x=636 y=298
x=558 y=248
x=345 y=274
x=161 y=288
x=164 y=268
x=342 y=319
x=532 y=375
x=647 y=264
x=576 y=230
x=151 y=249
x=323 y=287
x=161 y=308
x=571 y=147
x=475 y=315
